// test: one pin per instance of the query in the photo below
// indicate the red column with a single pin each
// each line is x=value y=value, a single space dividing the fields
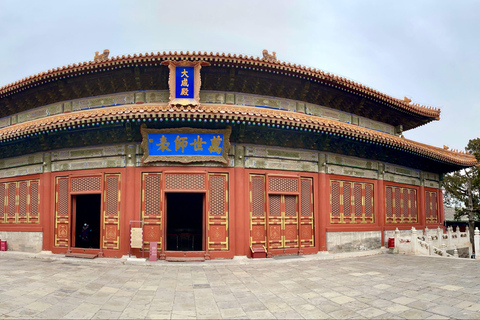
x=130 y=209
x=441 y=209
x=421 y=207
x=323 y=210
x=47 y=209
x=380 y=206
x=240 y=214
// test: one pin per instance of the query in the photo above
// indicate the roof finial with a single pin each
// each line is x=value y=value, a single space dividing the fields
x=407 y=100
x=269 y=57
x=101 y=57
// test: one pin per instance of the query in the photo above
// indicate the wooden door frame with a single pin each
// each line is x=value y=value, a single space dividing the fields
x=73 y=220
x=174 y=253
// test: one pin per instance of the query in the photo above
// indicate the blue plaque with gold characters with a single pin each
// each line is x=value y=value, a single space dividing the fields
x=188 y=144
x=184 y=82
x=185 y=145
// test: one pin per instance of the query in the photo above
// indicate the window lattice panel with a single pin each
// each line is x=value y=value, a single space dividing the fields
x=368 y=200
x=112 y=195
x=86 y=184
x=22 y=203
x=185 y=181
x=217 y=195
x=347 y=200
x=34 y=198
x=351 y=202
x=12 y=188
x=431 y=207
x=258 y=197
x=2 y=202
x=335 y=198
x=275 y=205
x=282 y=184
x=152 y=195
x=63 y=197
x=16 y=202
x=290 y=205
x=401 y=205
x=306 y=192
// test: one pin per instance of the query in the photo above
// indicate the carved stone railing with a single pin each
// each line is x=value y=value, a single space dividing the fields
x=432 y=242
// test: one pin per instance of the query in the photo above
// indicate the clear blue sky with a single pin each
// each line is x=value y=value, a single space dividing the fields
x=425 y=50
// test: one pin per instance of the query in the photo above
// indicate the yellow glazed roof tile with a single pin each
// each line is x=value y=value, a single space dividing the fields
x=298 y=70
x=253 y=114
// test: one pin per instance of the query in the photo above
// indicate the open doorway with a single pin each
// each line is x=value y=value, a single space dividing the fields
x=87 y=217
x=185 y=221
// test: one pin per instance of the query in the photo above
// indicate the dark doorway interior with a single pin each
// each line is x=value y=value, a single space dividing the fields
x=87 y=221
x=185 y=221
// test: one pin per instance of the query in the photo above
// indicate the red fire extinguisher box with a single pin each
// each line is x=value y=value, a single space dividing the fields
x=391 y=242
x=3 y=245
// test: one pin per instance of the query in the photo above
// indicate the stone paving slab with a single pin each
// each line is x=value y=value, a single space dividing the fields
x=352 y=286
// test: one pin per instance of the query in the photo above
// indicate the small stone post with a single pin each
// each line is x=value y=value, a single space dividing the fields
x=397 y=240
x=471 y=249
x=476 y=240
x=444 y=250
x=414 y=241
x=457 y=231
x=440 y=236
x=430 y=245
x=455 y=252
x=449 y=233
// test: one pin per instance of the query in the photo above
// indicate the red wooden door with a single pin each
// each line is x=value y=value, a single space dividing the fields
x=306 y=213
x=217 y=232
x=62 y=217
x=111 y=213
x=152 y=208
x=283 y=221
x=258 y=231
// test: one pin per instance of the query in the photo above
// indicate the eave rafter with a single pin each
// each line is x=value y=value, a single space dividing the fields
x=239 y=114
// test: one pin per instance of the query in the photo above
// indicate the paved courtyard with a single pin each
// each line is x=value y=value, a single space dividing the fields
x=379 y=286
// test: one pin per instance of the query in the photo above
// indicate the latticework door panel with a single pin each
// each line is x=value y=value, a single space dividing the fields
x=152 y=208
x=306 y=213
x=111 y=213
x=275 y=221
x=431 y=207
x=258 y=235
x=218 y=212
x=351 y=202
x=290 y=221
x=62 y=219
x=401 y=205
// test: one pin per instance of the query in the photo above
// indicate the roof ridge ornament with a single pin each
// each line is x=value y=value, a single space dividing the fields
x=101 y=57
x=405 y=99
x=269 y=57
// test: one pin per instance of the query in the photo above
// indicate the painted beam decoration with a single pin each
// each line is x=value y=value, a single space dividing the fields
x=184 y=81
x=185 y=145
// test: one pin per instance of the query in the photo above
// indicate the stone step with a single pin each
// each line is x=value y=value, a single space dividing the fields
x=81 y=255
x=185 y=259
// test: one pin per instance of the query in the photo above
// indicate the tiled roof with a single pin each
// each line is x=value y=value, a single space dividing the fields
x=247 y=115
x=254 y=63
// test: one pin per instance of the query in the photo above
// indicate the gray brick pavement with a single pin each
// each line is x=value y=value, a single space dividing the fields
x=381 y=286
